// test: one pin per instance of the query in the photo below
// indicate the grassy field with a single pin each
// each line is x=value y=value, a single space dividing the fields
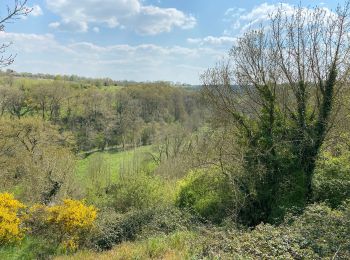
x=112 y=163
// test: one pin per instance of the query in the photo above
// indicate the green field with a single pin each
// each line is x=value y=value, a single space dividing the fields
x=113 y=163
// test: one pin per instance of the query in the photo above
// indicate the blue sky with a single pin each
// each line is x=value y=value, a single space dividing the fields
x=142 y=40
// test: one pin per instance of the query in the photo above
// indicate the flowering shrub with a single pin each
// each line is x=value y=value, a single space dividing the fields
x=72 y=219
x=10 y=222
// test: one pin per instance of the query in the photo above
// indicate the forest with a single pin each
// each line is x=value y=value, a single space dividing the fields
x=253 y=164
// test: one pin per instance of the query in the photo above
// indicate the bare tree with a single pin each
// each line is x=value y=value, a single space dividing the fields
x=14 y=12
x=280 y=88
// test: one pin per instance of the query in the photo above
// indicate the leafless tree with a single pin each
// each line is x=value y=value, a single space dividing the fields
x=14 y=12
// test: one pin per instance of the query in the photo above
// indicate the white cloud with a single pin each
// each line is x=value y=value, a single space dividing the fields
x=242 y=20
x=96 y=29
x=212 y=40
x=39 y=53
x=36 y=11
x=233 y=12
x=261 y=14
x=154 y=20
x=129 y=14
x=67 y=25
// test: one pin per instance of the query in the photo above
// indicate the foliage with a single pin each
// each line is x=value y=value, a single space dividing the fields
x=99 y=117
x=331 y=182
x=271 y=112
x=29 y=248
x=36 y=160
x=325 y=230
x=140 y=190
x=319 y=233
x=72 y=220
x=177 y=245
x=99 y=172
x=207 y=193
x=280 y=88
x=11 y=230
x=114 y=228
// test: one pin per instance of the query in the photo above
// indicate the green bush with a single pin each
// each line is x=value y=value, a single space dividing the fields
x=319 y=233
x=138 y=191
x=114 y=228
x=207 y=193
x=325 y=231
x=331 y=182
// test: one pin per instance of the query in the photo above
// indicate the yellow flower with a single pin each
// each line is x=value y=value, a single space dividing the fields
x=72 y=218
x=10 y=230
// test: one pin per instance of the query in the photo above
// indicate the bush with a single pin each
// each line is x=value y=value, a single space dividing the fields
x=325 y=231
x=207 y=193
x=114 y=228
x=331 y=182
x=319 y=233
x=138 y=191
x=66 y=226
x=73 y=220
x=10 y=221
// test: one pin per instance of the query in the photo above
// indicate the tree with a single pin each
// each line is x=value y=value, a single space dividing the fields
x=14 y=12
x=280 y=89
x=35 y=159
x=16 y=102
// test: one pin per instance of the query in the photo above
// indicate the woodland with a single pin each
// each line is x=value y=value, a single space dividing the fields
x=252 y=164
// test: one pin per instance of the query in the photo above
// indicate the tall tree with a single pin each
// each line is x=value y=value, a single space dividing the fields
x=280 y=89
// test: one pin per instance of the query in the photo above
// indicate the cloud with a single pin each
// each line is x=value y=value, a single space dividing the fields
x=36 y=11
x=154 y=20
x=212 y=40
x=129 y=14
x=68 y=25
x=242 y=20
x=43 y=53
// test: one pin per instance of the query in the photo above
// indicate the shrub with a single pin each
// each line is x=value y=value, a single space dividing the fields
x=207 y=193
x=331 y=182
x=319 y=233
x=114 y=228
x=138 y=191
x=66 y=225
x=10 y=221
x=73 y=220
x=325 y=230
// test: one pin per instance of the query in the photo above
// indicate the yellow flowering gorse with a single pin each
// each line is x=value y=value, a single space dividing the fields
x=72 y=218
x=72 y=215
x=10 y=229
x=69 y=221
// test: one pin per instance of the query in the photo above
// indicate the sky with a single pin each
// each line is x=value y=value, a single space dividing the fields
x=141 y=40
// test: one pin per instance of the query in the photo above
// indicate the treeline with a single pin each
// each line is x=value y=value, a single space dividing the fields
x=82 y=80
x=101 y=116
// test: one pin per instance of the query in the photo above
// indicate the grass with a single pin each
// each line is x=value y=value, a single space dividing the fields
x=179 y=245
x=112 y=163
x=29 y=248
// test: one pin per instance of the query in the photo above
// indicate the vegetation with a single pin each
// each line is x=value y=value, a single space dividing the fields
x=253 y=165
x=10 y=230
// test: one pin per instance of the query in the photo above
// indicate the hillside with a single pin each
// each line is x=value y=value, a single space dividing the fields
x=251 y=162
